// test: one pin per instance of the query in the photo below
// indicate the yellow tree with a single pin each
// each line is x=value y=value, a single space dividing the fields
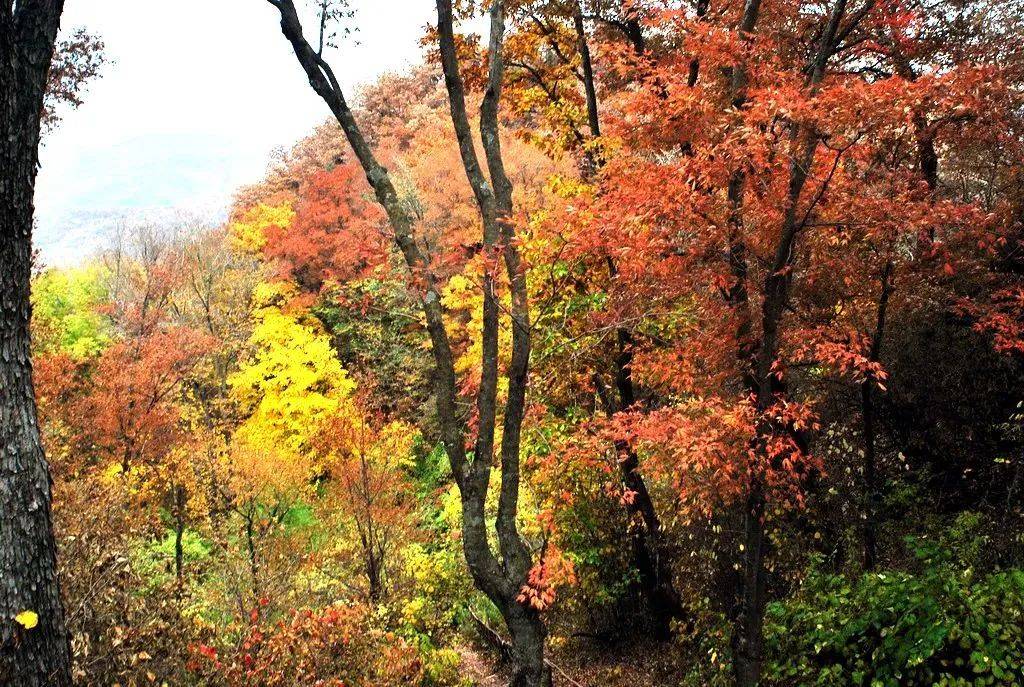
x=289 y=385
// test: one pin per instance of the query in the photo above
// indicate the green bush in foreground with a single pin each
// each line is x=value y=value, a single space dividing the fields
x=943 y=625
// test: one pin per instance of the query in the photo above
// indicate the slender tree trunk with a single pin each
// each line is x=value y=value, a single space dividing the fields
x=748 y=638
x=40 y=655
x=867 y=392
x=179 y=534
x=869 y=545
x=500 y=581
x=651 y=556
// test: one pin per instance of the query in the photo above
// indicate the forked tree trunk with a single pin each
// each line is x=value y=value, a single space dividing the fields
x=39 y=655
x=501 y=581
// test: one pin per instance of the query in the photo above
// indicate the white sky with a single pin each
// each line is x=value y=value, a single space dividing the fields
x=197 y=95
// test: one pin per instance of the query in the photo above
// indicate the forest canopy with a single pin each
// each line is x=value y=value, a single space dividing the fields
x=631 y=342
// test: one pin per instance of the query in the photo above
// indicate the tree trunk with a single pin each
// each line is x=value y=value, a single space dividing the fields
x=651 y=558
x=869 y=545
x=179 y=535
x=500 y=581
x=39 y=655
x=373 y=577
x=528 y=634
x=748 y=636
x=867 y=392
x=28 y=560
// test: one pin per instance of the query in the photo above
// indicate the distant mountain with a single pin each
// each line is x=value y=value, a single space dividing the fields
x=78 y=235
x=156 y=179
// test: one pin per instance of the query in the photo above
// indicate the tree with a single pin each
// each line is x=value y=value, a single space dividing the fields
x=784 y=193
x=34 y=647
x=501 y=580
x=564 y=90
x=365 y=458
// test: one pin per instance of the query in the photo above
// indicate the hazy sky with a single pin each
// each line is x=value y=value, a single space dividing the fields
x=197 y=94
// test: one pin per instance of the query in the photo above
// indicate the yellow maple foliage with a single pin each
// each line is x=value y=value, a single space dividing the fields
x=248 y=232
x=292 y=380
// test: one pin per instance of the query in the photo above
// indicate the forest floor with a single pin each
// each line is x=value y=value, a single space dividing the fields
x=574 y=666
x=481 y=667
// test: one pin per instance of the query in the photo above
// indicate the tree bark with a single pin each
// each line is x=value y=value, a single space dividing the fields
x=747 y=640
x=28 y=561
x=494 y=200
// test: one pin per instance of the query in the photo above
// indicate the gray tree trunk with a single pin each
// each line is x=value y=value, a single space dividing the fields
x=40 y=655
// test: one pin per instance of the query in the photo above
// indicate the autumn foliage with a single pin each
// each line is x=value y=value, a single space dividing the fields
x=770 y=259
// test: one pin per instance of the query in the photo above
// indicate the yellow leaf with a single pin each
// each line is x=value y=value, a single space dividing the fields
x=27 y=619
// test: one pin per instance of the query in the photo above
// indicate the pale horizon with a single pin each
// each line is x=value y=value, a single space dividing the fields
x=183 y=116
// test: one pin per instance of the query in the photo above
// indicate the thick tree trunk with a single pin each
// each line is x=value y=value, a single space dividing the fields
x=528 y=634
x=40 y=655
x=28 y=568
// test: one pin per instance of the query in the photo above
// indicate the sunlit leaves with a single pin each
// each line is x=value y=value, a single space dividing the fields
x=292 y=380
x=249 y=231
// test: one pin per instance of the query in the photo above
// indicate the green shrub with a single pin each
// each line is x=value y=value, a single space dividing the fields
x=942 y=625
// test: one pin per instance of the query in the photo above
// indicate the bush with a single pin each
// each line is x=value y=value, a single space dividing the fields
x=942 y=625
x=337 y=647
